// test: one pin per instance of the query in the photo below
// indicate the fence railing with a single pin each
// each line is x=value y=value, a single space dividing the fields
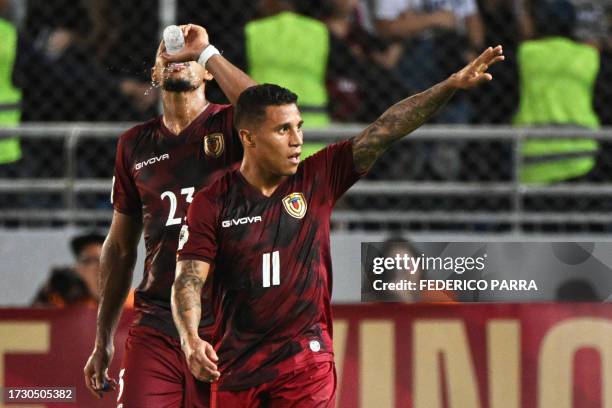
x=514 y=215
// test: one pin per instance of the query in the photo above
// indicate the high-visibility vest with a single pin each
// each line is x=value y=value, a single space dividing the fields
x=10 y=97
x=291 y=50
x=557 y=80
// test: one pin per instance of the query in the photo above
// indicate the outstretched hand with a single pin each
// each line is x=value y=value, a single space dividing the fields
x=475 y=72
x=196 y=39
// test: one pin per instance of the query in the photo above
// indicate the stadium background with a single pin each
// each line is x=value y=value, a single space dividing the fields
x=83 y=68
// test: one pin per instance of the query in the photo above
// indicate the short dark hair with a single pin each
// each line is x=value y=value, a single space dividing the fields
x=78 y=243
x=253 y=101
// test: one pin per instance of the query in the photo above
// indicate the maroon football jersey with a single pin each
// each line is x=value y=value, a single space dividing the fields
x=272 y=266
x=157 y=174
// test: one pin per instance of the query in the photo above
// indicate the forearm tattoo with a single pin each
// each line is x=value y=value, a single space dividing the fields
x=187 y=292
x=398 y=121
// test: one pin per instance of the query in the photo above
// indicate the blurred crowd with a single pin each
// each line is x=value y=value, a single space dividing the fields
x=347 y=59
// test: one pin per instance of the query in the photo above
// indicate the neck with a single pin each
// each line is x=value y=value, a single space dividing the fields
x=261 y=179
x=181 y=108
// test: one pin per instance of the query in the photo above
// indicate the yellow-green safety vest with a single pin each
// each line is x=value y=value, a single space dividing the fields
x=557 y=80
x=291 y=50
x=10 y=97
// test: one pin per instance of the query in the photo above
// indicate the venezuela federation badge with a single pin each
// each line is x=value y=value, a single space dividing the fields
x=213 y=145
x=295 y=205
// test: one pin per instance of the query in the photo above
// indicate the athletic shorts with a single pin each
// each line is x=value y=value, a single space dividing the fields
x=154 y=374
x=312 y=386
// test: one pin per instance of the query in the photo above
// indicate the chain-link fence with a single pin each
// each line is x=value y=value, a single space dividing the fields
x=90 y=60
x=463 y=179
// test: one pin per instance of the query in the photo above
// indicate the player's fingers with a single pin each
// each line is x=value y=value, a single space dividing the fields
x=109 y=383
x=210 y=352
x=484 y=56
x=207 y=364
x=89 y=383
x=497 y=59
x=95 y=386
x=181 y=56
x=208 y=376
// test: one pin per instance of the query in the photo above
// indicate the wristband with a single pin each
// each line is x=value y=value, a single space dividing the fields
x=207 y=53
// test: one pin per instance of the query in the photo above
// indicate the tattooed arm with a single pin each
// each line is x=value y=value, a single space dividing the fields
x=410 y=113
x=187 y=311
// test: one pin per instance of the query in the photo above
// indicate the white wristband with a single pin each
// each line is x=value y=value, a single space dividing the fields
x=207 y=53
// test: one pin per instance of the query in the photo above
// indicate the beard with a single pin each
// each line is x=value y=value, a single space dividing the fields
x=178 y=85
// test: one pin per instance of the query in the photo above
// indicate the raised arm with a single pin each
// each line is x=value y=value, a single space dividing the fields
x=187 y=312
x=409 y=114
x=230 y=78
x=116 y=269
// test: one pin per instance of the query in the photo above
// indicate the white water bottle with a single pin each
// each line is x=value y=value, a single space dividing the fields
x=173 y=38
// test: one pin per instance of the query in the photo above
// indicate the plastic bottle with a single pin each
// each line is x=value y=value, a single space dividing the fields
x=173 y=38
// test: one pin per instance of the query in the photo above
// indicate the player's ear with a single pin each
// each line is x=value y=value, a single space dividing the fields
x=208 y=76
x=246 y=137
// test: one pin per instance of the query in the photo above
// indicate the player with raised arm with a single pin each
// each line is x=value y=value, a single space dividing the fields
x=159 y=167
x=265 y=228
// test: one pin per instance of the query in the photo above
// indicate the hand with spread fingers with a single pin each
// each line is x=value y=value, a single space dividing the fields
x=475 y=72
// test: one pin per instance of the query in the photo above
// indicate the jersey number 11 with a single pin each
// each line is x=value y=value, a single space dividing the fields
x=265 y=268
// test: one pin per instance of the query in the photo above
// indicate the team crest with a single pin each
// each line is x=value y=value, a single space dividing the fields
x=295 y=205
x=213 y=145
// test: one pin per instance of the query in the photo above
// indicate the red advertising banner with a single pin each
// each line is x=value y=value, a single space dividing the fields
x=387 y=355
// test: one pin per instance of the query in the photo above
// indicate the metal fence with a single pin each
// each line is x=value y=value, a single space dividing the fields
x=439 y=179
x=91 y=60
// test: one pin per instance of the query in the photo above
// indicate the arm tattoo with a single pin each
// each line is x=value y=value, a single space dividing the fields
x=398 y=121
x=187 y=306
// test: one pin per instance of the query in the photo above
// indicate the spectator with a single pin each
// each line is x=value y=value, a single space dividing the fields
x=291 y=50
x=557 y=78
x=87 y=249
x=505 y=22
x=78 y=284
x=63 y=288
x=438 y=35
x=360 y=80
x=70 y=80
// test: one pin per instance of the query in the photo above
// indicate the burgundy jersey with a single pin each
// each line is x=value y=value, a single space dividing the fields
x=272 y=266
x=157 y=174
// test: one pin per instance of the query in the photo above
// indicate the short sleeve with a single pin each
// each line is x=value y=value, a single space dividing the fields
x=124 y=194
x=198 y=238
x=336 y=163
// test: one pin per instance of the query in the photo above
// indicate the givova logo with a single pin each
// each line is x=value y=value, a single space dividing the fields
x=240 y=221
x=152 y=160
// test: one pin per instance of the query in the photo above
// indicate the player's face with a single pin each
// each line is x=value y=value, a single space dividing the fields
x=279 y=140
x=178 y=76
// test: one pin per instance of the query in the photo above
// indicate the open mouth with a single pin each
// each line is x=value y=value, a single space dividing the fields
x=295 y=158
x=177 y=66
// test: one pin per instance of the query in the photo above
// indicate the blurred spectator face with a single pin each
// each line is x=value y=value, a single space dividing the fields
x=88 y=267
x=178 y=77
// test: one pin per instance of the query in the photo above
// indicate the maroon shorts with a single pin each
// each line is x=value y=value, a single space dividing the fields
x=154 y=373
x=312 y=386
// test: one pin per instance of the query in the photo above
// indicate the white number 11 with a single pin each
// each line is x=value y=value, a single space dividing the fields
x=275 y=269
